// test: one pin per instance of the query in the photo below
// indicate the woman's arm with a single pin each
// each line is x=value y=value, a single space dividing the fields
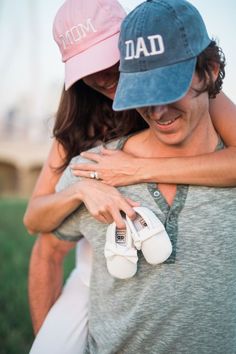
x=47 y=209
x=223 y=114
x=118 y=168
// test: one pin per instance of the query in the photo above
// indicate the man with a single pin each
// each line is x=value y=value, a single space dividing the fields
x=169 y=69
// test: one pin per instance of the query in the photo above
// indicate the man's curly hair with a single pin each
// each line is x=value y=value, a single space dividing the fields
x=206 y=61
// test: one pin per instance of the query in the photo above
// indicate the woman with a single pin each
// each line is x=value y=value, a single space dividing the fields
x=85 y=118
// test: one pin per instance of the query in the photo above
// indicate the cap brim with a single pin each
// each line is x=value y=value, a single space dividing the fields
x=96 y=58
x=154 y=87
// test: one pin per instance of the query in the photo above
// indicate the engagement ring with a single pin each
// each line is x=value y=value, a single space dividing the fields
x=94 y=174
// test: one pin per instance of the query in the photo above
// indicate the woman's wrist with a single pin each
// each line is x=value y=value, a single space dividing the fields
x=76 y=192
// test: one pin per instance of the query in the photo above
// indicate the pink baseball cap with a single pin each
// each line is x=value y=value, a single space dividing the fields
x=87 y=33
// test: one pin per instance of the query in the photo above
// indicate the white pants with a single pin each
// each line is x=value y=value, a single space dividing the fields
x=65 y=328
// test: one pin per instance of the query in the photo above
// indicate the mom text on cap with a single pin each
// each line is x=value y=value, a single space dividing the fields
x=76 y=33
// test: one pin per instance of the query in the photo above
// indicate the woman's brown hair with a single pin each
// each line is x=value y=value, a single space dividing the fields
x=85 y=117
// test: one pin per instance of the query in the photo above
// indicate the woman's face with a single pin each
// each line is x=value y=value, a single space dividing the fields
x=104 y=81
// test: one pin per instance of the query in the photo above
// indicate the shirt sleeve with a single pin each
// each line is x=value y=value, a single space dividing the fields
x=68 y=230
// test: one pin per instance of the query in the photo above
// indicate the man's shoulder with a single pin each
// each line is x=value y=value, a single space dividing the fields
x=112 y=144
x=68 y=178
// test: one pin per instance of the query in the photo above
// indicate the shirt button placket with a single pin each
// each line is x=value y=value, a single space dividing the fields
x=156 y=194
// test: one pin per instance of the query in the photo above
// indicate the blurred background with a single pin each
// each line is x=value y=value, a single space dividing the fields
x=31 y=82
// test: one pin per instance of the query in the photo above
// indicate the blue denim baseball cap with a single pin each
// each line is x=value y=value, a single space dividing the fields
x=159 y=44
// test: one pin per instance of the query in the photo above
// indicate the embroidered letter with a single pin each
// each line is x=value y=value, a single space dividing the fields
x=63 y=41
x=67 y=39
x=141 y=48
x=75 y=33
x=85 y=28
x=156 y=40
x=129 y=50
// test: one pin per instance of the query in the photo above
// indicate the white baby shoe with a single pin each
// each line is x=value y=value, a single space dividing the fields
x=121 y=255
x=150 y=236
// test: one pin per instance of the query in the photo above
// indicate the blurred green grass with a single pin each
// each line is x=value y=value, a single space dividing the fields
x=16 y=333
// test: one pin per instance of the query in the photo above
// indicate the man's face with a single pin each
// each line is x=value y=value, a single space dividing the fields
x=175 y=123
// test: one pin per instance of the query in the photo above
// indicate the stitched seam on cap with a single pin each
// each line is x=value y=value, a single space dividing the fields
x=181 y=27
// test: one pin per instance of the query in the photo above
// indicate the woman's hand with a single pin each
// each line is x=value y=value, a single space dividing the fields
x=105 y=203
x=113 y=167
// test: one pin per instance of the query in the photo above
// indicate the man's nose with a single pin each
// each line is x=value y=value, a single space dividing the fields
x=158 y=111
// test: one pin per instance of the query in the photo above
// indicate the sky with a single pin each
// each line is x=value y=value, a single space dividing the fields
x=30 y=63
